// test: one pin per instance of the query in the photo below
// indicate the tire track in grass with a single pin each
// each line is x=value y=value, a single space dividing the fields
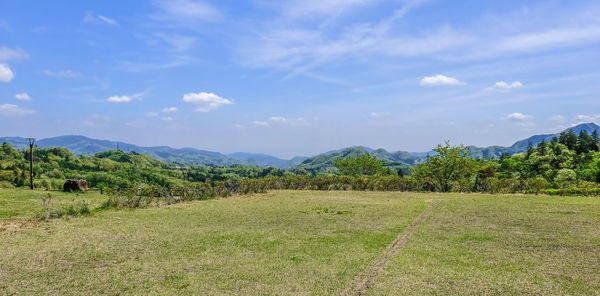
x=363 y=281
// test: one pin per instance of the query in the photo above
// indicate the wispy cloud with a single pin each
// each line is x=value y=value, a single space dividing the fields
x=163 y=64
x=62 y=74
x=260 y=123
x=380 y=114
x=312 y=8
x=92 y=18
x=14 y=110
x=588 y=118
x=7 y=54
x=300 y=46
x=557 y=118
x=205 y=101
x=177 y=42
x=169 y=109
x=306 y=35
x=186 y=12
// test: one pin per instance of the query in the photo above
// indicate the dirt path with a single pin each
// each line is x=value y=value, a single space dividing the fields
x=364 y=280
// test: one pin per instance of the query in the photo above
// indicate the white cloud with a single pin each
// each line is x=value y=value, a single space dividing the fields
x=167 y=118
x=298 y=121
x=152 y=114
x=504 y=86
x=439 y=80
x=7 y=54
x=169 y=109
x=14 y=110
x=92 y=18
x=278 y=119
x=587 y=118
x=518 y=116
x=550 y=38
x=62 y=74
x=380 y=114
x=107 y=20
x=240 y=126
x=6 y=74
x=301 y=46
x=119 y=99
x=206 y=101
x=260 y=123
x=23 y=97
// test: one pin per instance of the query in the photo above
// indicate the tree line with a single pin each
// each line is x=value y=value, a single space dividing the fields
x=569 y=164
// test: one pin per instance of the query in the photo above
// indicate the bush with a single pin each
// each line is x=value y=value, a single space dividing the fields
x=6 y=185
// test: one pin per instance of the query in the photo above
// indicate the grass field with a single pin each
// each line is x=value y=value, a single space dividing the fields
x=18 y=204
x=314 y=243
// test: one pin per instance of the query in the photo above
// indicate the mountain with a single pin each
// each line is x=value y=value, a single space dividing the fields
x=521 y=146
x=323 y=163
x=81 y=145
x=263 y=160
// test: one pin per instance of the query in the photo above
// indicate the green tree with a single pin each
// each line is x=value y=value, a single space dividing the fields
x=568 y=139
x=363 y=165
x=585 y=142
x=449 y=166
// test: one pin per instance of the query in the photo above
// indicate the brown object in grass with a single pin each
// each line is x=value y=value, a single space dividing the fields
x=75 y=185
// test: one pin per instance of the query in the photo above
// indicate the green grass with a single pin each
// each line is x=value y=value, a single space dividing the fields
x=278 y=243
x=20 y=204
x=501 y=245
x=313 y=243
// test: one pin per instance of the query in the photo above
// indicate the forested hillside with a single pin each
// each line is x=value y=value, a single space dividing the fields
x=565 y=161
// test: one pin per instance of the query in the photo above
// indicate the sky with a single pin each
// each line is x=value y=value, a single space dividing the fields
x=298 y=77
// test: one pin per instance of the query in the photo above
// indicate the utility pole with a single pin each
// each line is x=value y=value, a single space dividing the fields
x=31 y=143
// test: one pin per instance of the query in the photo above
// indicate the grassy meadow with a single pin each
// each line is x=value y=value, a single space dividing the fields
x=308 y=243
x=21 y=204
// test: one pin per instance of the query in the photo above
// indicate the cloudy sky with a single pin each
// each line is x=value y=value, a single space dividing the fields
x=298 y=77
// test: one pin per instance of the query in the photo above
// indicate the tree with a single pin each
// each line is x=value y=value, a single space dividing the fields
x=565 y=177
x=542 y=147
x=595 y=140
x=529 y=150
x=363 y=165
x=451 y=164
x=585 y=142
x=568 y=139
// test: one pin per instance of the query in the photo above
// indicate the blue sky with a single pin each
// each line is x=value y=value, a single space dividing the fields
x=296 y=77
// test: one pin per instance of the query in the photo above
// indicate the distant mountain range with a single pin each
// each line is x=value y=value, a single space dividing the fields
x=80 y=145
